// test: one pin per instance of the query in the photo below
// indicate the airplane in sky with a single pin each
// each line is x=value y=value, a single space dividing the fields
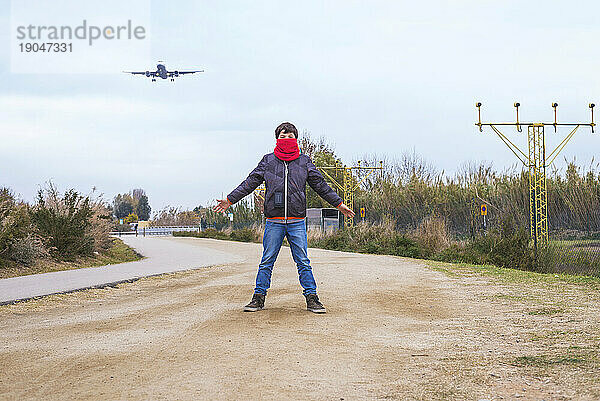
x=162 y=72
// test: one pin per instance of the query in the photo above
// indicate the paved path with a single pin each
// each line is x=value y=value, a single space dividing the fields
x=163 y=255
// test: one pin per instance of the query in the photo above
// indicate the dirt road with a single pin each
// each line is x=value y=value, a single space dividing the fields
x=394 y=330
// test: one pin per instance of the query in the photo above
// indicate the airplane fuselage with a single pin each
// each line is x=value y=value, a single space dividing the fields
x=161 y=71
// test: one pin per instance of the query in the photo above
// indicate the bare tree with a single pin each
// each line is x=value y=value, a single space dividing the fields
x=137 y=193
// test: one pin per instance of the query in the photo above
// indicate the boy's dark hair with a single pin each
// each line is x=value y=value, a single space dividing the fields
x=286 y=127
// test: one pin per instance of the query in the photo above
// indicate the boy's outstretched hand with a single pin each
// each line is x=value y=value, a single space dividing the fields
x=222 y=205
x=346 y=211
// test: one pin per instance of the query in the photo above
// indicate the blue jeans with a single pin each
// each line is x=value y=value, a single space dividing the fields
x=272 y=240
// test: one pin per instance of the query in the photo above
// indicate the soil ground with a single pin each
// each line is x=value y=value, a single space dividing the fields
x=395 y=328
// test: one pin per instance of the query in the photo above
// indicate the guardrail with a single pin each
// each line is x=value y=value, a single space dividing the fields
x=162 y=230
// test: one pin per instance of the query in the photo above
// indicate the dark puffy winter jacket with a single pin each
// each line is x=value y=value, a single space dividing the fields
x=283 y=200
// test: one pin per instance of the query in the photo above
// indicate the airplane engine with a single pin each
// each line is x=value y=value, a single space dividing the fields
x=176 y=73
x=147 y=73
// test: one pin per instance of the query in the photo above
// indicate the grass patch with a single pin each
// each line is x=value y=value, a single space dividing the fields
x=510 y=297
x=545 y=311
x=544 y=361
x=553 y=335
x=241 y=235
x=118 y=252
x=515 y=276
x=447 y=272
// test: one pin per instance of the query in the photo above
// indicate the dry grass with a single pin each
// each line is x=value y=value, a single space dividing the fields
x=432 y=235
x=117 y=252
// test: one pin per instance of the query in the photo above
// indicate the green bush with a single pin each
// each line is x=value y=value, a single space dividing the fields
x=64 y=223
x=27 y=249
x=506 y=246
x=244 y=235
x=208 y=233
x=212 y=233
x=377 y=239
x=14 y=222
x=570 y=256
x=19 y=240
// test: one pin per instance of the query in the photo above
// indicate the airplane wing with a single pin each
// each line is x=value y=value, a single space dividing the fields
x=150 y=73
x=189 y=72
x=177 y=73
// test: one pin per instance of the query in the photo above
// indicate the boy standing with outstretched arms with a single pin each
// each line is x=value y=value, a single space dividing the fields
x=285 y=173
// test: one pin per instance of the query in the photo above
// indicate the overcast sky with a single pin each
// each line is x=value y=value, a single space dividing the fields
x=376 y=77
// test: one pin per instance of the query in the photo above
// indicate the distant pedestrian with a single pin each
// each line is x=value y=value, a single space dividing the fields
x=285 y=173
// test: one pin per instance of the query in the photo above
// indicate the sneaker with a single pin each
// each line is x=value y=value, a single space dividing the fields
x=257 y=303
x=313 y=304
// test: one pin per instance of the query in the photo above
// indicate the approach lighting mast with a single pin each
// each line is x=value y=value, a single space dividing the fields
x=537 y=161
x=347 y=186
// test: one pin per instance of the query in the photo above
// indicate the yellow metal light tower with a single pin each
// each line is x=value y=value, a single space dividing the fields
x=259 y=199
x=347 y=186
x=537 y=162
x=259 y=193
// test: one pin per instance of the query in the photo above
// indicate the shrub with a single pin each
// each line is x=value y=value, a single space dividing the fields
x=18 y=236
x=100 y=224
x=506 y=246
x=131 y=218
x=64 y=223
x=569 y=256
x=432 y=235
x=208 y=233
x=511 y=247
x=27 y=249
x=212 y=233
x=244 y=234
x=367 y=238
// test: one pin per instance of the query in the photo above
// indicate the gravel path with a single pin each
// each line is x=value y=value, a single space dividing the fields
x=393 y=330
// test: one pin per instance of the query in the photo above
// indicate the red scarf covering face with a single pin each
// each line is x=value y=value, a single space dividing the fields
x=287 y=149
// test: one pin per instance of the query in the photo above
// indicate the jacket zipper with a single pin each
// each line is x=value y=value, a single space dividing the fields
x=285 y=196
